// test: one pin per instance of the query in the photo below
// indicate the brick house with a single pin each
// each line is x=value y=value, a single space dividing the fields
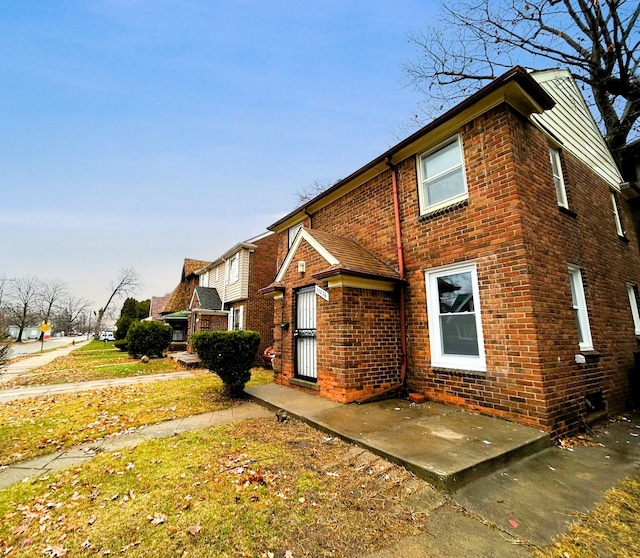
x=487 y=261
x=174 y=312
x=227 y=297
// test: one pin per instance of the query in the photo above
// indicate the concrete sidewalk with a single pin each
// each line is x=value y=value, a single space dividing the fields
x=18 y=472
x=28 y=363
x=510 y=490
x=75 y=387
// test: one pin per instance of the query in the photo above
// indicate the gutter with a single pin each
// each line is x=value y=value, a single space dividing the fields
x=517 y=74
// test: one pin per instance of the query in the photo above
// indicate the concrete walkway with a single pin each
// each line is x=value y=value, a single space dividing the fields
x=509 y=489
x=60 y=460
x=35 y=360
x=75 y=387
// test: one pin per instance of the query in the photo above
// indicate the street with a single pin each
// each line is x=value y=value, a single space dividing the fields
x=30 y=347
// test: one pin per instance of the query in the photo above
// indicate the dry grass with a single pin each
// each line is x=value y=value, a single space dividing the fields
x=259 y=488
x=612 y=529
x=37 y=426
x=95 y=361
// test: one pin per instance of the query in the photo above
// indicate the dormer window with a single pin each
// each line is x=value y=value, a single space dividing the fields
x=441 y=176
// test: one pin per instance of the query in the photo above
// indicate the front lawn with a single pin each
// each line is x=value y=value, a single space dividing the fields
x=37 y=426
x=94 y=361
x=258 y=489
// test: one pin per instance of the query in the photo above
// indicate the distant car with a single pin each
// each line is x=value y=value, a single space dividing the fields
x=106 y=336
x=268 y=356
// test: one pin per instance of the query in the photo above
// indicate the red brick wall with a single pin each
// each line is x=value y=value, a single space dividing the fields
x=258 y=309
x=357 y=340
x=521 y=242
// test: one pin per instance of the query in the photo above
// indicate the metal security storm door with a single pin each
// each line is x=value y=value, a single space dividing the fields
x=305 y=334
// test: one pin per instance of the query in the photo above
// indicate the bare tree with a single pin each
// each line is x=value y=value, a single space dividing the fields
x=71 y=313
x=477 y=40
x=22 y=298
x=127 y=283
x=5 y=342
x=50 y=294
x=307 y=193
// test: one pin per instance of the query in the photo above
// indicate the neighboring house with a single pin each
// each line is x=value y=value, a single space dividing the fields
x=157 y=306
x=486 y=261
x=227 y=297
x=175 y=311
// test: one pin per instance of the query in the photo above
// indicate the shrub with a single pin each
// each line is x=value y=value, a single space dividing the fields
x=148 y=338
x=121 y=344
x=229 y=354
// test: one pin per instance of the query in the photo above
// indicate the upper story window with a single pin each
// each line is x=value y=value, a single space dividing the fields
x=455 y=328
x=441 y=176
x=217 y=274
x=293 y=231
x=233 y=269
x=616 y=215
x=558 y=179
x=579 y=304
x=632 y=292
x=204 y=279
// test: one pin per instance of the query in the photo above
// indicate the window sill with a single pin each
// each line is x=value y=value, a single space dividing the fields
x=567 y=211
x=432 y=214
x=623 y=238
x=590 y=355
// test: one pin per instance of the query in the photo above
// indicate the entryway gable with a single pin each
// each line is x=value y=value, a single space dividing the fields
x=305 y=235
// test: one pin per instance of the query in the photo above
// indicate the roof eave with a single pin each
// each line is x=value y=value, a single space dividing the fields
x=516 y=87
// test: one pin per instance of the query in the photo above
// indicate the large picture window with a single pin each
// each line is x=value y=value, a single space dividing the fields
x=455 y=328
x=441 y=176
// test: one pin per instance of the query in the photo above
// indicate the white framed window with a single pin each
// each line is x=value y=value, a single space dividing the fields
x=293 y=231
x=204 y=279
x=217 y=273
x=455 y=327
x=233 y=269
x=579 y=304
x=236 y=318
x=616 y=215
x=632 y=292
x=441 y=176
x=558 y=179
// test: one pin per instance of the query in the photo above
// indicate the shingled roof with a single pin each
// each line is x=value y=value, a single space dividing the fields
x=181 y=295
x=351 y=257
x=208 y=298
x=344 y=256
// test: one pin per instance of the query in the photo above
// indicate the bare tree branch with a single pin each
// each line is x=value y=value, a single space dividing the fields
x=476 y=40
x=127 y=283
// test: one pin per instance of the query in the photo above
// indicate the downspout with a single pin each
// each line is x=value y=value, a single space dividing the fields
x=224 y=289
x=401 y=272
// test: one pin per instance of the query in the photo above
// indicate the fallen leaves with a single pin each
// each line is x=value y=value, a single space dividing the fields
x=157 y=518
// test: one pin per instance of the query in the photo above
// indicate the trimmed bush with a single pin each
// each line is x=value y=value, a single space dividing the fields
x=148 y=338
x=121 y=344
x=229 y=354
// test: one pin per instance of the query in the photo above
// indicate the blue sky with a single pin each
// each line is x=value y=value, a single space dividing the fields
x=135 y=134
